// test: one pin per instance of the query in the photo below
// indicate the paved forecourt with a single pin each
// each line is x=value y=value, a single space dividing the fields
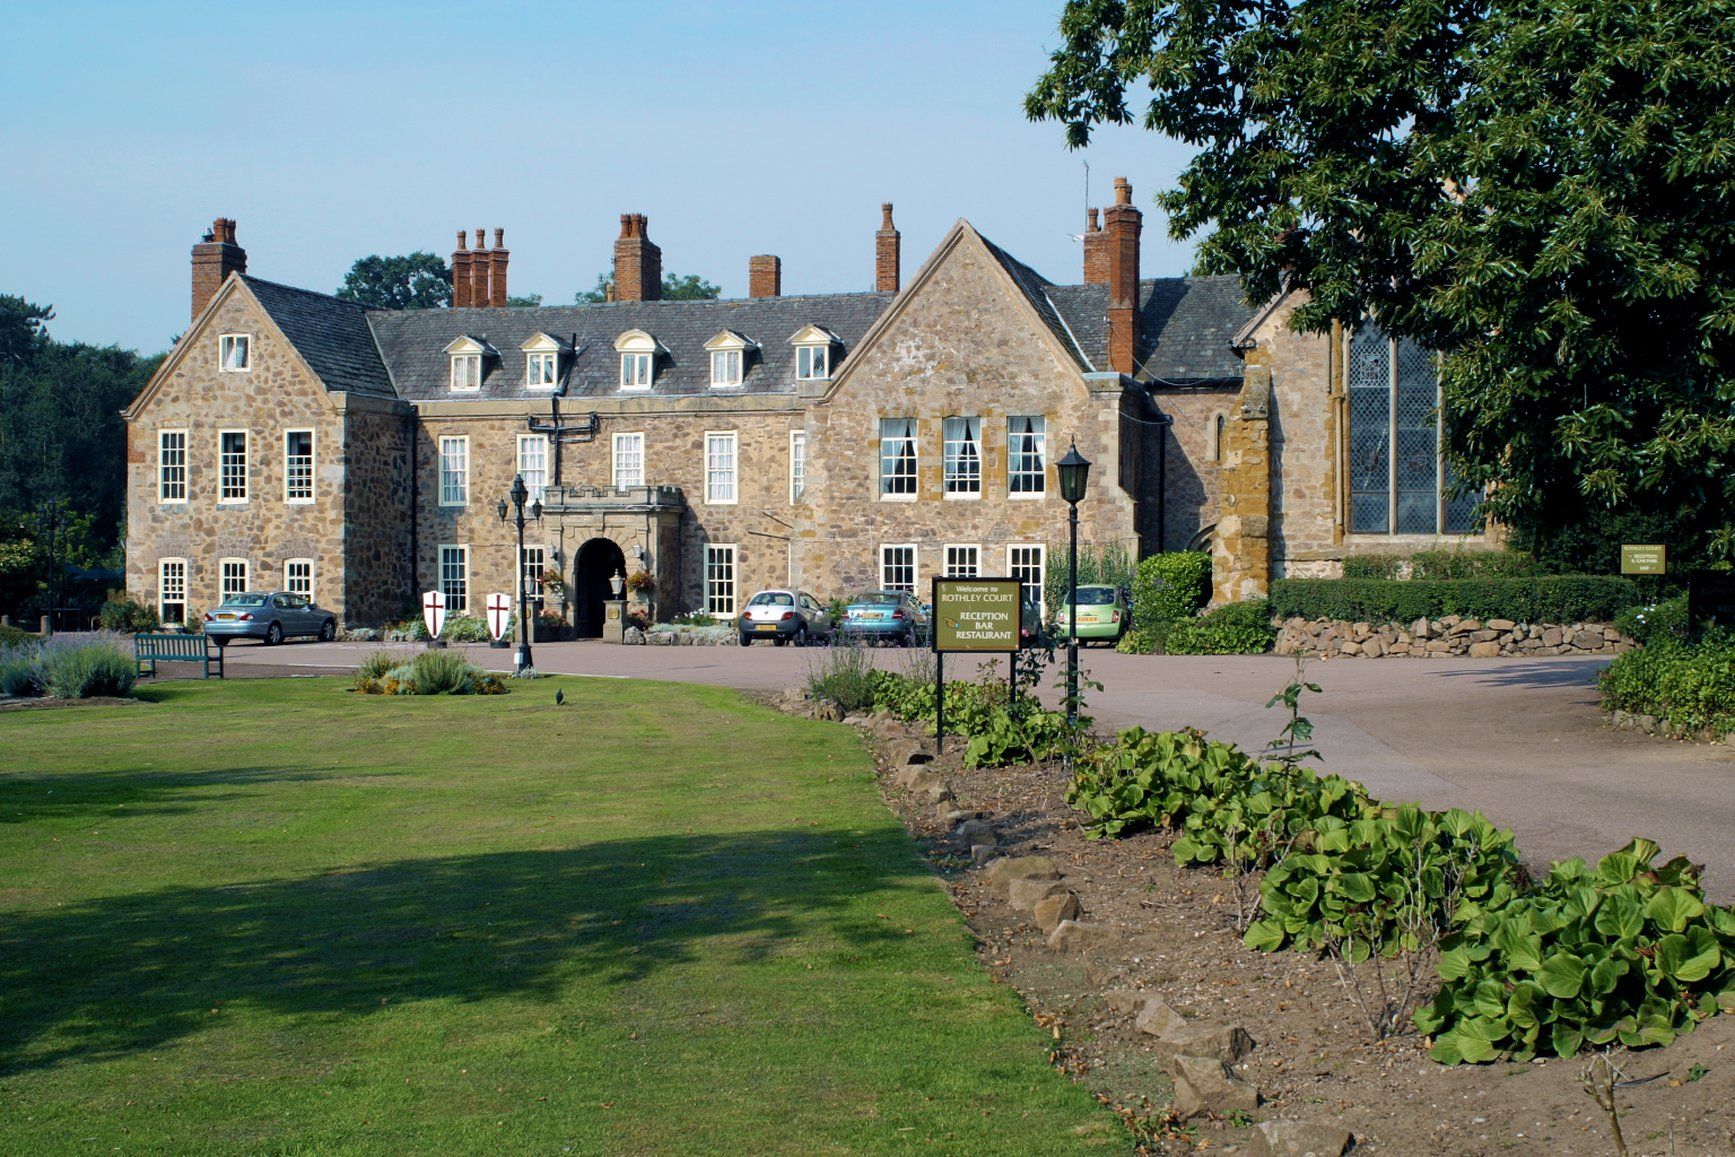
x=1519 y=739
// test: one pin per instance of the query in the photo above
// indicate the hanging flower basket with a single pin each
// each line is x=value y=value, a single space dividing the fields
x=641 y=583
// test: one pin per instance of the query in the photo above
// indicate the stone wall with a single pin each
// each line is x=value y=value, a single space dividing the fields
x=1447 y=638
x=377 y=509
x=275 y=395
x=1240 y=547
x=1194 y=481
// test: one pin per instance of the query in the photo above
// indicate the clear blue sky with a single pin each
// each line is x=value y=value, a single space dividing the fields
x=331 y=131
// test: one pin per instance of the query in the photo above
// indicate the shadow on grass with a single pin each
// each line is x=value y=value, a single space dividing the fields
x=116 y=975
x=114 y=795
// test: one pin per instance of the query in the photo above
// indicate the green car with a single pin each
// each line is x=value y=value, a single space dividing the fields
x=1104 y=612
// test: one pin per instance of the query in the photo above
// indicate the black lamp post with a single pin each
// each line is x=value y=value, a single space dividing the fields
x=1074 y=471
x=519 y=493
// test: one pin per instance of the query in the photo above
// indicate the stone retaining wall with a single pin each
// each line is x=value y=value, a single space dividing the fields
x=1651 y=725
x=1450 y=637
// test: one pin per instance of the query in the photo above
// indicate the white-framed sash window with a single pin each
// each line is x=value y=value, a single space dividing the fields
x=232 y=466
x=533 y=464
x=234 y=353
x=812 y=363
x=961 y=449
x=171 y=465
x=636 y=371
x=172 y=590
x=629 y=459
x=963 y=560
x=1027 y=455
x=898 y=567
x=232 y=575
x=531 y=565
x=1028 y=563
x=541 y=368
x=466 y=373
x=298 y=466
x=455 y=470
x=298 y=577
x=898 y=458
x=720 y=468
x=720 y=579
x=725 y=368
x=797 y=464
x=454 y=564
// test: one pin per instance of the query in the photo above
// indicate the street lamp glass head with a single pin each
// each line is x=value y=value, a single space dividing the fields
x=520 y=492
x=501 y=507
x=536 y=509
x=1074 y=471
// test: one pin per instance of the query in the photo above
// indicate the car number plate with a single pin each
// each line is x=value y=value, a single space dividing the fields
x=876 y=615
x=225 y=617
x=766 y=627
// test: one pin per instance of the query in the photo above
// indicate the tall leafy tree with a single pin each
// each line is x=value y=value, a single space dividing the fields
x=1542 y=190
x=676 y=287
x=419 y=280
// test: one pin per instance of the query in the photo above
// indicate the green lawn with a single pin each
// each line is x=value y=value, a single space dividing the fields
x=274 y=916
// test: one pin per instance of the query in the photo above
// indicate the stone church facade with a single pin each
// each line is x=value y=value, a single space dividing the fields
x=835 y=442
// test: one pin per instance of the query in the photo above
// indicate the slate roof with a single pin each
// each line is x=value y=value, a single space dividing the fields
x=331 y=335
x=1187 y=327
x=1035 y=288
x=413 y=342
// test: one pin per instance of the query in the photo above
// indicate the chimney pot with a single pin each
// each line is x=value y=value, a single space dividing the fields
x=1123 y=192
x=499 y=237
x=887 y=252
x=463 y=240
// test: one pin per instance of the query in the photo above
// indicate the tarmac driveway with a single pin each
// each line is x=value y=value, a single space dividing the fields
x=1519 y=739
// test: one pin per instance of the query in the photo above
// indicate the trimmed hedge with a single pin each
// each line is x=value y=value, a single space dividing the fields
x=1543 y=599
x=1232 y=629
x=1442 y=564
x=1171 y=586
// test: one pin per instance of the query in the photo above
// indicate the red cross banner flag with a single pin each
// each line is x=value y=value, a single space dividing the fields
x=434 y=612
x=499 y=611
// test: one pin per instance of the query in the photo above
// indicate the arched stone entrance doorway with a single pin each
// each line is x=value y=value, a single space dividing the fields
x=597 y=560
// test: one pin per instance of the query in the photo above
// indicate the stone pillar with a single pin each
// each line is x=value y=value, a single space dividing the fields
x=614 y=613
x=1241 y=545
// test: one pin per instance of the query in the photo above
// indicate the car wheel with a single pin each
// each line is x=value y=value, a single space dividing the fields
x=746 y=640
x=220 y=641
x=273 y=634
x=780 y=641
x=328 y=630
x=801 y=636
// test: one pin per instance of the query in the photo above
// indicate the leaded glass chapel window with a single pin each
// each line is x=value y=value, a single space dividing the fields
x=1398 y=481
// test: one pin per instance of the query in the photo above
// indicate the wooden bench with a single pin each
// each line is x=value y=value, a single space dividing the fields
x=149 y=650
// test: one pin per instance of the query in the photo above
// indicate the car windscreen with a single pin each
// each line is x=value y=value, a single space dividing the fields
x=771 y=599
x=245 y=601
x=876 y=599
x=1095 y=596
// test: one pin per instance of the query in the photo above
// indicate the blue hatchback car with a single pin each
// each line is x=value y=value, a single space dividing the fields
x=887 y=616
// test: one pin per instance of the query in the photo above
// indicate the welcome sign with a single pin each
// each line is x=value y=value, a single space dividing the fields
x=976 y=615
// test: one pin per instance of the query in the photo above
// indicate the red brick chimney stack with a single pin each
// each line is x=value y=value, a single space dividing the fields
x=461 y=272
x=638 y=264
x=765 y=276
x=886 y=249
x=1123 y=224
x=215 y=257
x=479 y=269
x=1095 y=251
x=497 y=269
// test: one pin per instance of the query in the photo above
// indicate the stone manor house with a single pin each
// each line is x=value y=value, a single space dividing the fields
x=834 y=442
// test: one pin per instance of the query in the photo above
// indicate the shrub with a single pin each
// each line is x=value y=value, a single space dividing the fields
x=18 y=672
x=1170 y=586
x=844 y=675
x=1232 y=629
x=552 y=627
x=1626 y=952
x=1691 y=687
x=1655 y=622
x=1543 y=599
x=1145 y=640
x=84 y=670
x=13 y=637
x=427 y=673
x=127 y=615
x=465 y=629
x=374 y=666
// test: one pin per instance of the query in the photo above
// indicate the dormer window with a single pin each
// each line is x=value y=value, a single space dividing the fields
x=728 y=358
x=638 y=351
x=813 y=345
x=467 y=354
x=542 y=361
x=234 y=352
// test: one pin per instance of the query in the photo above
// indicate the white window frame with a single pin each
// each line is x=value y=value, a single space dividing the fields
x=730 y=362
x=524 y=470
x=1014 y=438
x=224 y=567
x=223 y=497
x=955 y=483
x=299 y=586
x=915 y=475
x=1014 y=567
x=636 y=440
x=722 y=594
x=163 y=599
x=797 y=465
x=886 y=566
x=290 y=495
x=461 y=442
x=542 y=369
x=466 y=373
x=716 y=493
x=638 y=370
x=460 y=552
x=533 y=562
x=167 y=483
x=227 y=344
x=813 y=362
x=963 y=560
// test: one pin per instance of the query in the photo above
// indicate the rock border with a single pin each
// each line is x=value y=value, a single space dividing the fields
x=1453 y=637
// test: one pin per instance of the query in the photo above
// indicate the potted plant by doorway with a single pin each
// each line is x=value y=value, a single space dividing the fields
x=641 y=583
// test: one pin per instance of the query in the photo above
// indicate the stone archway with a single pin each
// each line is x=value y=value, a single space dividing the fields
x=596 y=562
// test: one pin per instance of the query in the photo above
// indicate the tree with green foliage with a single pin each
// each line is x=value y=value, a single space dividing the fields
x=62 y=447
x=519 y=301
x=1537 y=189
x=420 y=280
x=676 y=287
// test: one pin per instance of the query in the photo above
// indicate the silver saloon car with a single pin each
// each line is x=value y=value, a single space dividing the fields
x=269 y=615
